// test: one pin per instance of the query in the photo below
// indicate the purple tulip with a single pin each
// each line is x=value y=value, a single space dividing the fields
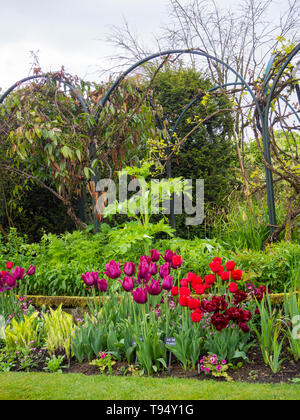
x=31 y=270
x=167 y=283
x=128 y=284
x=154 y=288
x=90 y=279
x=140 y=295
x=113 y=270
x=9 y=280
x=102 y=285
x=168 y=255
x=145 y=258
x=143 y=269
x=153 y=269
x=145 y=279
x=155 y=255
x=18 y=273
x=164 y=270
x=129 y=268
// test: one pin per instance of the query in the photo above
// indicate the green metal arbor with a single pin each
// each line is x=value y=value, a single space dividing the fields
x=263 y=111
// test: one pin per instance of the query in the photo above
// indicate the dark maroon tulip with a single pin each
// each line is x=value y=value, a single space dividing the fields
x=220 y=321
x=244 y=327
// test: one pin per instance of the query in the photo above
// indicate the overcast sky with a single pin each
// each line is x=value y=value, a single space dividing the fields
x=71 y=33
x=67 y=32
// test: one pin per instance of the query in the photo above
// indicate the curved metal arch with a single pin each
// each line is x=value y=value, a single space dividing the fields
x=291 y=107
x=266 y=138
x=46 y=76
x=283 y=67
x=269 y=178
x=263 y=113
x=193 y=101
x=170 y=52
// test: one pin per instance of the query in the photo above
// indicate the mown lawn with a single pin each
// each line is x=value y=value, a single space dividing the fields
x=43 y=386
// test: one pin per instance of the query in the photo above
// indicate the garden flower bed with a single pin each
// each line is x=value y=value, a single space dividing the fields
x=151 y=318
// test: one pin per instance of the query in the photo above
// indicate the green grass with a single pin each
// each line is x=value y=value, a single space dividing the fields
x=43 y=386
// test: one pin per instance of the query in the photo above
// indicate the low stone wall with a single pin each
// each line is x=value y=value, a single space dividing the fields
x=82 y=302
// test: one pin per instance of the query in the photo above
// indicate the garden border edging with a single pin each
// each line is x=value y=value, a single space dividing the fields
x=82 y=302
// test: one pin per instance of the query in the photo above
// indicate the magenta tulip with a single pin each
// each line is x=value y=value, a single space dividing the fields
x=9 y=280
x=129 y=268
x=168 y=255
x=18 y=273
x=128 y=284
x=140 y=295
x=154 y=288
x=155 y=255
x=153 y=269
x=90 y=279
x=31 y=270
x=167 y=283
x=102 y=284
x=113 y=270
x=164 y=270
x=143 y=270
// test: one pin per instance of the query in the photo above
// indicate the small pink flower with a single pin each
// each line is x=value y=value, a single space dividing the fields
x=219 y=367
x=207 y=370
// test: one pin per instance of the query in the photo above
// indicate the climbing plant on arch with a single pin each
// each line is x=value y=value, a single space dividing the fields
x=265 y=95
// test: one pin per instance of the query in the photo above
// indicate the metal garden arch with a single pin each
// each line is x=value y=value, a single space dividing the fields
x=263 y=113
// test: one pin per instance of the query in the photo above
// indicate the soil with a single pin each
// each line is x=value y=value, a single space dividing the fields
x=254 y=371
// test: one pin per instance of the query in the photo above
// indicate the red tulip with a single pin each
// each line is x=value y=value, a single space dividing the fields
x=9 y=265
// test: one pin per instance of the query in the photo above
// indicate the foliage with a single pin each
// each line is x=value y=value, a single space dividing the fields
x=49 y=135
x=104 y=362
x=229 y=344
x=58 y=326
x=291 y=308
x=24 y=334
x=53 y=364
x=268 y=335
x=60 y=260
x=211 y=365
x=199 y=150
